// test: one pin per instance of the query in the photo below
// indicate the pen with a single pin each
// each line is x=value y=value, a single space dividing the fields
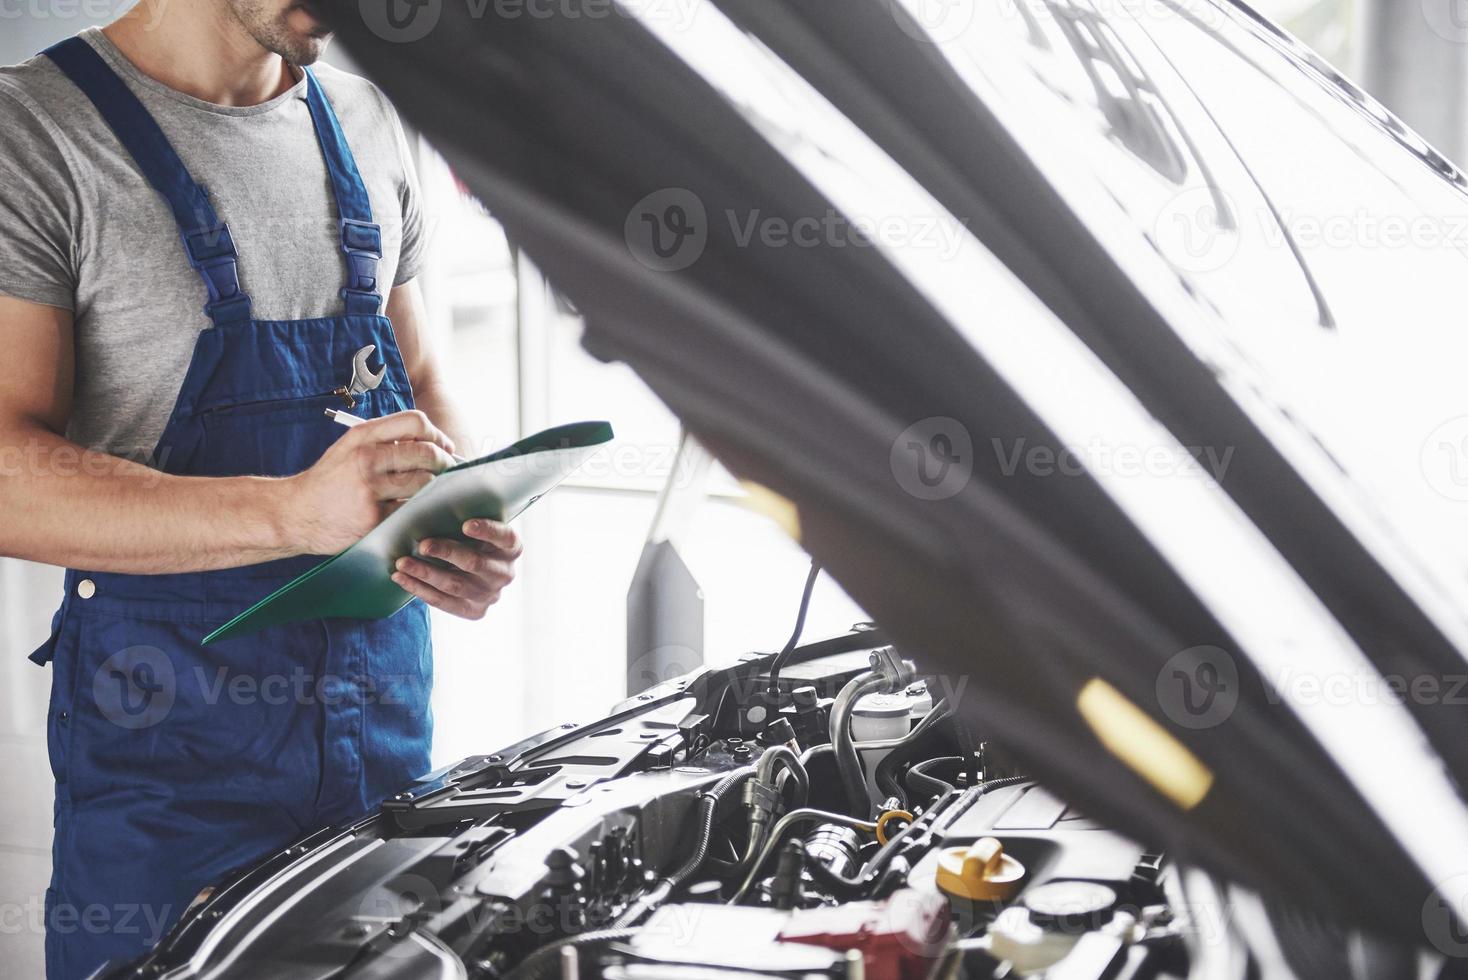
x=348 y=419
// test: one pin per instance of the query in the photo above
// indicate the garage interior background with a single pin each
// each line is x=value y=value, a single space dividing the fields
x=554 y=647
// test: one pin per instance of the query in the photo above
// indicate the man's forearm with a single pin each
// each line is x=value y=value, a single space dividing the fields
x=65 y=505
x=432 y=398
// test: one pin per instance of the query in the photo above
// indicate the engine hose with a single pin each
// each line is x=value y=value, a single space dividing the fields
x=966 y=747
x=545 y=962
x=776 y=760
x=778 y=831
x=848 y=762
x=928 y=786
x=886 y=774
x=783 y=757
x=708 y=809
x=858 y=885
x=809 y=754
x=874 y=872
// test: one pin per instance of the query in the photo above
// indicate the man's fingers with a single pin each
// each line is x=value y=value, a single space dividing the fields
x=388 y=457
x=486 y=563
x=398 y=485
x=410 y=426
x=454 y=605
x=502 y=536
x=449 y=581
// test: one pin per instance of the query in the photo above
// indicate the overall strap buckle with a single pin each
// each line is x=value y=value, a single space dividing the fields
x=212 y=254
x=362 y=245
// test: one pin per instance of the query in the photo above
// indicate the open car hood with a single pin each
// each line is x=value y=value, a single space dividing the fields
x=978 y=312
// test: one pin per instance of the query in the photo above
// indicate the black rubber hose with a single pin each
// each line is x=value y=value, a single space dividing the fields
x=966 y=747
x=926 y=786
x=848 y=761
x=886 y=778
x=708 y=810
x=885 y=775
x=860 y=885
x=783 y=757
x=785 y=653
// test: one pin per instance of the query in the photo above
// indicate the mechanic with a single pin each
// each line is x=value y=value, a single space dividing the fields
x=200 y=237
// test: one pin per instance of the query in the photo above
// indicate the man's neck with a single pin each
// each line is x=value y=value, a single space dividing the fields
x=201 y=50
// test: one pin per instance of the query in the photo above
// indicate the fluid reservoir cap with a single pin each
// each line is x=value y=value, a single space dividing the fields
x=980 y=872
x=1072 y=907
x=881 y=716
x=883 y=706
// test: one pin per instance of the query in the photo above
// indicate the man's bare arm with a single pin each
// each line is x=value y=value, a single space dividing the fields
x=65 y=505
x=485 y=564
x=425 y=369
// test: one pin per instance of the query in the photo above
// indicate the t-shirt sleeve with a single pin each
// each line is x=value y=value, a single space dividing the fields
x=37 y=209
x=410 y=255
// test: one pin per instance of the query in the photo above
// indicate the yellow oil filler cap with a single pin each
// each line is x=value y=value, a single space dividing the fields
x=980 y=872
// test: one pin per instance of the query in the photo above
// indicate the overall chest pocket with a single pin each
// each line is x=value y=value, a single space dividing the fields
x=269 y=437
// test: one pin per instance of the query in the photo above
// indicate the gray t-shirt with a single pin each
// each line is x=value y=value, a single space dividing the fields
x=81 y=229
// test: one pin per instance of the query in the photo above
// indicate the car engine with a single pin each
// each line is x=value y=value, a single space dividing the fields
x=822 y=812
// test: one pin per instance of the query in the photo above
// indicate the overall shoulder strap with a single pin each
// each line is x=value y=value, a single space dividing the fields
x=361 y=238
x=206 y=239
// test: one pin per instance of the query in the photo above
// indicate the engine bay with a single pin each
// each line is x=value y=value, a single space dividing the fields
x=826 y=816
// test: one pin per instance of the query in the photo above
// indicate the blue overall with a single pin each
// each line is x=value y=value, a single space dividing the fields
x=175 y=763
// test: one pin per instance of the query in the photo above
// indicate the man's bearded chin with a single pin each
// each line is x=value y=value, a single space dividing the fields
x=299 y=33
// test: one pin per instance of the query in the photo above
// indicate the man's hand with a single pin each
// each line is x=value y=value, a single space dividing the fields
x=360 y=479
x=481 y=568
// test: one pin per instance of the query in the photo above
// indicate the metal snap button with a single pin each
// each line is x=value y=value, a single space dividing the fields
x=86 y=588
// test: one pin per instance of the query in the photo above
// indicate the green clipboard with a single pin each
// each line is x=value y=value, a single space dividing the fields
x=356 y=583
